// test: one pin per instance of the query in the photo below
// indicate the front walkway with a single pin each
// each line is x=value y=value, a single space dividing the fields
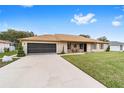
x=45 y=70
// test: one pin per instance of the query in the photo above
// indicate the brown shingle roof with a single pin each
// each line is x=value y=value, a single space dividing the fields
x=61 y=38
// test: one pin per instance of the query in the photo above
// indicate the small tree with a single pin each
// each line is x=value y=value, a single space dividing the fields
x=20 y=51
x=108 y=49
x=103 y=39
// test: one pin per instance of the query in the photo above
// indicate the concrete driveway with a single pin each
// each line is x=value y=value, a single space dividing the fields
x=44 y=70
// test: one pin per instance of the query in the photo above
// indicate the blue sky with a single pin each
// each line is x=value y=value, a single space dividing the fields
x=95 y=21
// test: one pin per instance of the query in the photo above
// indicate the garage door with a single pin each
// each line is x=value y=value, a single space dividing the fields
x=41 y=48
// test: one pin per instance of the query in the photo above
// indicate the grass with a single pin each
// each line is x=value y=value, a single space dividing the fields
x=106 y=67
x=6 y=63
x=8 y=53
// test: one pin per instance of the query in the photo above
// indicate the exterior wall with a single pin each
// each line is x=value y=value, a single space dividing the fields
x=105 y=46
x=12 y=48
x=59 y=45
x=2 y=46
x=24 y=45
x=89 y=48
x=116 y=48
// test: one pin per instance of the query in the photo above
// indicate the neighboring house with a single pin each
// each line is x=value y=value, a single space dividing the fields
x=116 y=46
x=6 y=44
x=57 y=43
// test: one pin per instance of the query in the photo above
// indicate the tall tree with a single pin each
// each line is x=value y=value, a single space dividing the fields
x=87 y=36
x=103 y=38
x=13 y=35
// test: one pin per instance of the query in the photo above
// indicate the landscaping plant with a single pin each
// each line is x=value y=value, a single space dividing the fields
x=6 y=49
x=108 y=49
x=20 y=51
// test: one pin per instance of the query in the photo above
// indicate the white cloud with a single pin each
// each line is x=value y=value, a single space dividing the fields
x=81 y=19
x=116 y=23
x=27 y=6
x=119 y=17
x=93 y=20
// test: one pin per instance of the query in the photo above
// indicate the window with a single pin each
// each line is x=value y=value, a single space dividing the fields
x=101 y=46
x=75 y=45
x=93 y=46
x=69 y=45
x=81 y=46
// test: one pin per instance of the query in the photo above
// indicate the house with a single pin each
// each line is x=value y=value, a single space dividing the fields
x=58 y=43
x=116 y=46
x=6 y=44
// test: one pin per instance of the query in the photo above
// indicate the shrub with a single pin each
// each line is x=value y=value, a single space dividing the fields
x=108 y=49
x=20 y=51
x=6 y=49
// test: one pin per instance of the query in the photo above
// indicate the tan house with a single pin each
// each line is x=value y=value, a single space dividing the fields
x=57 y=43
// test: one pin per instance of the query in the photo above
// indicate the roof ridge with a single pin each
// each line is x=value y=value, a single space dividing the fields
x=63 y=37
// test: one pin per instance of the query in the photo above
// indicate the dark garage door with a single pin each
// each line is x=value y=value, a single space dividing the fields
x=41 y=48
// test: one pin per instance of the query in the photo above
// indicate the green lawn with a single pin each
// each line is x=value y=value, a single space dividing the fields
x=8 y=53
x=106 y=67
